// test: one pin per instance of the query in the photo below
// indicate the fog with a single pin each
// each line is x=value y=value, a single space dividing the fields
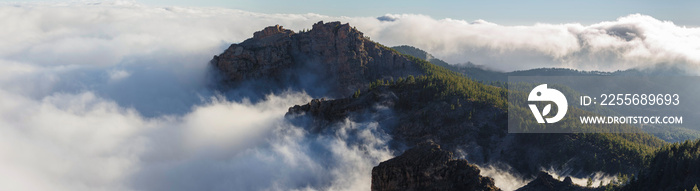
x=597 y=178
x=504 y=177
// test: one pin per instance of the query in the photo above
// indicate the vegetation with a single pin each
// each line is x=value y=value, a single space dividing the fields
x=614 y=148
x=447 y=84
x=620 y=148
x=357 y=94
x=673 y=167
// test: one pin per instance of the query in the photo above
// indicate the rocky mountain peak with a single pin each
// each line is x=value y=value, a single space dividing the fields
x=332 y=59
x=428 y=167
x=272 y=30
x=341 y=31
x=544 y=181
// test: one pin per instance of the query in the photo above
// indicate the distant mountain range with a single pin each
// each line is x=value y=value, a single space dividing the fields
x=482 y=73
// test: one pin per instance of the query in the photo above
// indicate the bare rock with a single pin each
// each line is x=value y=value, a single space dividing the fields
x=545 y=182
x=271 y=30
x=335 y=55
x=428 y=167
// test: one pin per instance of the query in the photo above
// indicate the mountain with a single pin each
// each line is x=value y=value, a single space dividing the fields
x=461 y=114
x=417 y=103
x=469 y=69
x=545 y=182
x=331 y=59
x=481 y=73
x=673 y=167
x=428 y=167
x=478 y=73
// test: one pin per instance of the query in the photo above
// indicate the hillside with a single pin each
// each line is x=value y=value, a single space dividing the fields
x=428 y=167
x=673 y=167
x=545 y=182
x=477 y=73
x=475 y=119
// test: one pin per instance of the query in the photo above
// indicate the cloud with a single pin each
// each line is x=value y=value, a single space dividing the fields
x=109 y=33
x=120 y=96
x=504 y=177
x=67 y=142
x=597 y=178
x=83 y=142
x=386 y=18
x=116 y=75
x=628 y=42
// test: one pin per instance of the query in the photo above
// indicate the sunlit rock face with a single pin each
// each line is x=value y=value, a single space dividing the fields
x=332 y=55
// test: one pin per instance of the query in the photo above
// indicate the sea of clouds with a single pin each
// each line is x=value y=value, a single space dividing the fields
x=633 y=41
x=120 y=96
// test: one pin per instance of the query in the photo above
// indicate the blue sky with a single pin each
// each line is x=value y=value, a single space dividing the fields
x=502 y=12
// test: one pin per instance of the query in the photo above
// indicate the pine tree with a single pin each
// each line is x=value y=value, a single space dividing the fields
x=411 y=79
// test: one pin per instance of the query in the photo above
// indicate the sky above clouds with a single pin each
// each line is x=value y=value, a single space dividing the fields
x=501 y=12
x=682 y=13
x=118 y=95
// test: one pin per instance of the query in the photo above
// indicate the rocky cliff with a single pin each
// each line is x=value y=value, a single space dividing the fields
x=428 y=167
x=545 y=182
x=331 y=55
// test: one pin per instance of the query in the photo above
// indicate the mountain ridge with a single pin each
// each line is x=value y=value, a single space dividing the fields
x=332 y=55
x=427 y=102
x=482 y=73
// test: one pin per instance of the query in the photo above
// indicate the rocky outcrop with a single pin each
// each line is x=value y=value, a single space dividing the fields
x=333 y=54
x=323 y=112
x=270 y=31
x=545 y=182
x=417 y=116
x=428 y=167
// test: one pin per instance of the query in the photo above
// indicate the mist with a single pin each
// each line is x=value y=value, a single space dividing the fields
x=597 y=178
x=507 y=179
x=504 y=177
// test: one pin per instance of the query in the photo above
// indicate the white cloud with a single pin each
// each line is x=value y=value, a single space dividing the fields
x=118 y=96
x=106 y=34
x=67 y=142
x=116 y=75
x=83 y=142
x=629 y=42
x=597 y=178
x=504 y=178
